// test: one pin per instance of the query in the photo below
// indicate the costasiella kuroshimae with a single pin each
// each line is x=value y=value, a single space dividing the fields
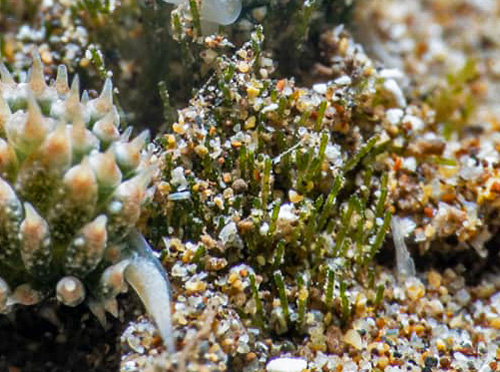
x=72 y=187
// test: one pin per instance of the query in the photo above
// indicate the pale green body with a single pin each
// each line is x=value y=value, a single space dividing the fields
x=71 y=192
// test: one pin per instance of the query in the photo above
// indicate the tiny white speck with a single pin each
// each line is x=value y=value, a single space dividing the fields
x=320 y=88
x=343 y=80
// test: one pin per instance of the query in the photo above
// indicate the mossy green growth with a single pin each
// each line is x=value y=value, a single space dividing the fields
x=289 y=180
x=455 y=103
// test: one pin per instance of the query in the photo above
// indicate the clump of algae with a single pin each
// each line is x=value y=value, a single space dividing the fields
x=274 y=200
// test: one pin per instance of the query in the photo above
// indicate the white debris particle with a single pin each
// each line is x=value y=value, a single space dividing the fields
x=416 y=123
x=229 y=235
x=286 y=365
x=343 y=80
x=269 y=108
x=320 y=88
x=394 y=116
x=410 y=163
x=286 y=214
x=264 y=229
x=353 y=338
x=178 y=178
x=333 y=153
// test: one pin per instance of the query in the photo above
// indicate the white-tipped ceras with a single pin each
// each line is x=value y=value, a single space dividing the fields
x=71 y=191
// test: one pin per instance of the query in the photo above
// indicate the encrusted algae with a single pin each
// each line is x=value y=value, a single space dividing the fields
x=233 y=242
x=243 y=171
x=444 y=177
x=273 y=204
x=261 y=163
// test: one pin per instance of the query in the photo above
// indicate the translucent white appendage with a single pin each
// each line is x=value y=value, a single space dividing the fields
x=223 y=12
x=148 y=278
x=404 y=263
